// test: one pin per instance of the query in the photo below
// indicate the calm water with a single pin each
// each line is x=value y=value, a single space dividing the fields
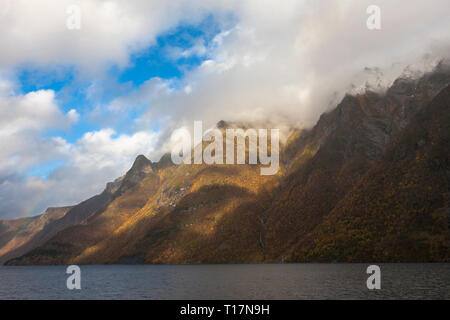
x=288 y=281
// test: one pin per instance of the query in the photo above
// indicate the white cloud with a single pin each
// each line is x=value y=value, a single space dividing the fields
x=73 y=115
x=198 y=49
x=105 y=148
x=86 y=165
x=291 y=61
x=22 y=120
x=36 y=31
x=311 y=45
x=32 y=111
x=96 y=158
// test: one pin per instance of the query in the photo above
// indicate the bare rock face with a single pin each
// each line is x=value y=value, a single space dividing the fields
x=164 y=162
x=366 y=123
x=140 y=169
x=112 y=187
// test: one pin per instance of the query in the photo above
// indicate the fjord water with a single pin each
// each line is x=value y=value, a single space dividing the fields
x=251 y=281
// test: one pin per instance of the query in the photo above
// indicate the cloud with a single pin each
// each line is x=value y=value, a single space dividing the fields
x=292 y=61
x=28 y=190
x=96 y=158
x=285 y=61
x=265 y=64
x=36 y=31
x=23 y=117
x=85 y=165
x=73 y=115
x=105 y=148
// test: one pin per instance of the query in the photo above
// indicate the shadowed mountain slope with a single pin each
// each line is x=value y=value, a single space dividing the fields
x=329 y=160
x=399 y=210
x=21 y=235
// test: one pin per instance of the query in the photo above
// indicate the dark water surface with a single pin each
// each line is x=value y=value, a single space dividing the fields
x=257 y=281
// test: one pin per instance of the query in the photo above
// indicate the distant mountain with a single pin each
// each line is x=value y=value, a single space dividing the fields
x=369 y=182
x=21 y=235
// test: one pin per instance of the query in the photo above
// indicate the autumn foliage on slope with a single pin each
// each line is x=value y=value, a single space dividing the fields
x=400 y=209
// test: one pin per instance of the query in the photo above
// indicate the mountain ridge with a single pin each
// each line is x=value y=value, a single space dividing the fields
x=161 y=213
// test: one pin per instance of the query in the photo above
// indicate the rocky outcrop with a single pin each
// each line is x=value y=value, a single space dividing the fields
x=139 y=170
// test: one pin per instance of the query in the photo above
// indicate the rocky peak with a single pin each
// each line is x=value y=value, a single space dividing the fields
x=138 y=171
x=164 y=162
x=141 y=163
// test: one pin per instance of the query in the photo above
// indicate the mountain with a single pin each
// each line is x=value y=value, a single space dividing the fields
x=330 y=160
x=369 y=182
x=16 y=235
x=93 y=219
x=20 y=236
x=399 y=210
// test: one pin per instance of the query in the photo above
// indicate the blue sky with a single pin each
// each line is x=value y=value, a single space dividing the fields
x=155 y=61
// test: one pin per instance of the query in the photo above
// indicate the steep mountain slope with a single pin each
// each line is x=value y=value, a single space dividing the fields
x=176 y=211
x=193 y=218
x=330 y=196
x=399 y=211
x=99 y=216
x=16 y=234
x=331 y=158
